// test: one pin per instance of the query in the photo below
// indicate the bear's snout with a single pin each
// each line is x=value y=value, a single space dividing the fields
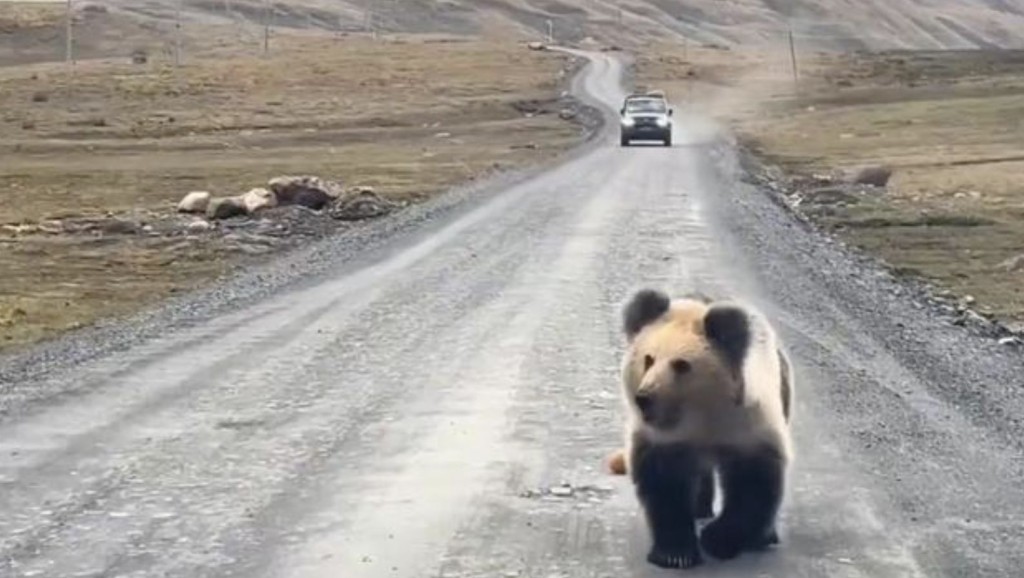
x=645 y=403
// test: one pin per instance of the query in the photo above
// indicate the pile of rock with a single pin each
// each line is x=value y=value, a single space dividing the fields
x=309 y=192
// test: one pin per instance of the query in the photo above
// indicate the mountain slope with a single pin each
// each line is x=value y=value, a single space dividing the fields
x=828 y=23
x=115 y=28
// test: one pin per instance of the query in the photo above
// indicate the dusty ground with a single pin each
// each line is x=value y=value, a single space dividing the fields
x=408 y=117
x=949 y=123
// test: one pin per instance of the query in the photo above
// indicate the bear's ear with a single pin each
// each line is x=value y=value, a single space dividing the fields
x=645 y=307
x=727 y=328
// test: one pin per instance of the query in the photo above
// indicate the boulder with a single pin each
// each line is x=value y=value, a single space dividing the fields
x=225 y=208
x=120 y=227
x=258 y=199
x=876 y=176
x=195 y=202
x=199 y=226
x=536 y=46
x=312 y=199
x=1013 y=264
x=287 y=188
x=363 y=204
x=830 y=196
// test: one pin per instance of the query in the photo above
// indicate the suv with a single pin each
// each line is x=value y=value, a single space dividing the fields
x=646 y=117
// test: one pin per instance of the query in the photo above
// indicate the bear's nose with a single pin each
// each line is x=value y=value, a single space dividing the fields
x=644 y=402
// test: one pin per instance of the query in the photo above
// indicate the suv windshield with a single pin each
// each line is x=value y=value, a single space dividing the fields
x=645 y=105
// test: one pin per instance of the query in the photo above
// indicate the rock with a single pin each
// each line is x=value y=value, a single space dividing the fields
x=21 y=229
x=830 y=196
x=877 y=176
x=567 y=114
x=1013 y=264
x=312 y=199
x=364 y=204
x=119 y=227
x=286 y=188
x=248 y=249
x=195 y=202
x=969 y=317
x=199 y=226
x=563 y=491
x=225 y=208
x=1010 y=341
x=51 y=227
x=258 y=199
x=536 y=46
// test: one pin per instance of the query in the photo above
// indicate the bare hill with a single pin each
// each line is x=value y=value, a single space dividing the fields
x=837 y=23
x=117 y=27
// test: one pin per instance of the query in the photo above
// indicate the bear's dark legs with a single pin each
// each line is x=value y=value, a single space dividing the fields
x=753 y=486
x=706 y=497
x=667 y=480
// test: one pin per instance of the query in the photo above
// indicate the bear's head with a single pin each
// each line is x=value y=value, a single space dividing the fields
x=685 y=357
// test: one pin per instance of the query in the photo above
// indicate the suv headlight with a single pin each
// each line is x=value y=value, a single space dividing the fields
x=628 y=121
x=663 y=121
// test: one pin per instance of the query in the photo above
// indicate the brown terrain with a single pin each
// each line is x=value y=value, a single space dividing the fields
x=413 y=96
x=947 y=124
x=96 y=160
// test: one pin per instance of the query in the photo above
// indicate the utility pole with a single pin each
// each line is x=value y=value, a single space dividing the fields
x=69 y=55
x=177 y=33
x=266 y=26
x=792 y=58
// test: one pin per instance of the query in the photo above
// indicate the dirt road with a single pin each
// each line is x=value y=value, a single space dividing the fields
x=405 y=411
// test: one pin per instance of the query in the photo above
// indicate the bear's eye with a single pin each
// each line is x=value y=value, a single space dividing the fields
x=648 y=362
x=680 y=365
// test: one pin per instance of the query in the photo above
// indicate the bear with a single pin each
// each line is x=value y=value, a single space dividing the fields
x=708 y=389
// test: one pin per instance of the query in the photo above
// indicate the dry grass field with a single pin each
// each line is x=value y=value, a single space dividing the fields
x=949 y=123
x=407 y=116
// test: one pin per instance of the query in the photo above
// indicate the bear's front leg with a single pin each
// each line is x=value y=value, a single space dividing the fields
x=667 y=481
x=753 y=490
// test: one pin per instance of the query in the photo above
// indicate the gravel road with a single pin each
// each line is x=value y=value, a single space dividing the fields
x=433 y=396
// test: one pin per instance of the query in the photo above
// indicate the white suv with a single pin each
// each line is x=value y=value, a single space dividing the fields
x=645 y=117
